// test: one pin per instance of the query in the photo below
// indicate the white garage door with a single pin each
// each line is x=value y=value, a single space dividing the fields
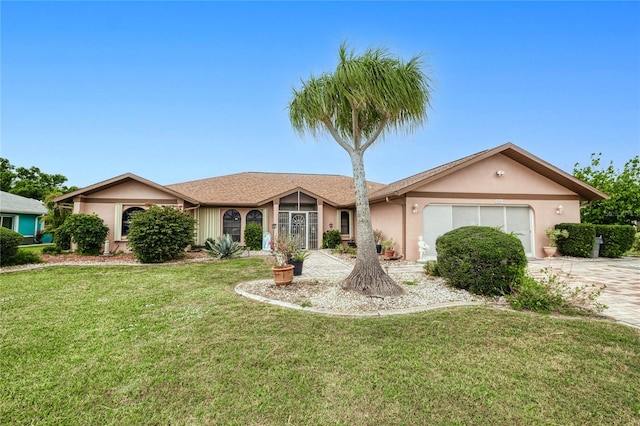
x=438 y=219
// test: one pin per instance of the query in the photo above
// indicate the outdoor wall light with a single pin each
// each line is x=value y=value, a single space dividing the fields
x=500 y=173
x=274 y=226
x=415 y=208
x=331 y=226
x=559 y=209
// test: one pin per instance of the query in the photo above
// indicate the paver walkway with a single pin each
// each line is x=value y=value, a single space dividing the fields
x=621 y=277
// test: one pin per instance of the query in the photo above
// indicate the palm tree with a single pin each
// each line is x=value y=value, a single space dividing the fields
x=365 y=98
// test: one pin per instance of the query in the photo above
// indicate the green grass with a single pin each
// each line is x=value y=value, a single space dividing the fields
x=35 y=249
x=175 y=345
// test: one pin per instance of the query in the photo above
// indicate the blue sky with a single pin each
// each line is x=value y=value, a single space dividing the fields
x=177 y=91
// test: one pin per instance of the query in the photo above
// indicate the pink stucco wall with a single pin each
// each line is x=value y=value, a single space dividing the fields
x=103 y=204
x=479 y=184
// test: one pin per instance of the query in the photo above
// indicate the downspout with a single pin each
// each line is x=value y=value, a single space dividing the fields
x=404 y=222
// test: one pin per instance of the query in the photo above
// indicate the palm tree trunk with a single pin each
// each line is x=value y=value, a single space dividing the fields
x=367 y=276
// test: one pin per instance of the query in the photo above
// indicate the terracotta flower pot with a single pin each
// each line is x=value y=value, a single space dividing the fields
x=389 y=253
x=550 y=251
x=283 y=275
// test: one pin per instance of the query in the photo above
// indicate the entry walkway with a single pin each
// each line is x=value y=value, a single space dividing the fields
x=620 y=276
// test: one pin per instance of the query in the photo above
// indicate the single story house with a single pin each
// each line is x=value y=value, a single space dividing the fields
x=505 y=187
x=21 y=214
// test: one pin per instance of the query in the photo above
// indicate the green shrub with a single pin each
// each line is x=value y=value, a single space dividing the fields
x=331 y=239
x=23 y=257
x=551 y=293
x=344 y=249
x=617 y=239
x=159 y=234
x=253 y=236
x=533 y=296
x=62 y=237
x=581 y=239
x=223 y=247
x=9 y=242
x=481 y=259
x=51 y=250
x=88 y=231
x=431 y=268
x=636 y=243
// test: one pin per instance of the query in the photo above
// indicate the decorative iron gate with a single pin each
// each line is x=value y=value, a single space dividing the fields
x=301 y=224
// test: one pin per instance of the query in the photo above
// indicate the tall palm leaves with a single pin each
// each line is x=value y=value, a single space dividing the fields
x=366 y=97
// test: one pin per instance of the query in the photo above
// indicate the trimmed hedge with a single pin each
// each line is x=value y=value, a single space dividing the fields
x=88 y=231
x=160 y=234
x=618 y=239
x=253 y=236
x=581 y=239
x=481 y=259
x=9 y=242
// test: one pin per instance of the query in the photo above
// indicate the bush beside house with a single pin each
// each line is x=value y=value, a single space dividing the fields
x=580 y=241
x=159 y=234
x=88 y=231
x=253 y=236
x=480 y=259
x=617 y=239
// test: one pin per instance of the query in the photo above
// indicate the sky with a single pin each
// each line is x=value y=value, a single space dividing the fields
x=179 y=91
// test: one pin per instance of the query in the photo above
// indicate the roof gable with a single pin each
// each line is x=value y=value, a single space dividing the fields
x=118 y=180
x=11 y=203
x=509 y=150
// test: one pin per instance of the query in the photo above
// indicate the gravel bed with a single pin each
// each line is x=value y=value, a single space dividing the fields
x=325 y=296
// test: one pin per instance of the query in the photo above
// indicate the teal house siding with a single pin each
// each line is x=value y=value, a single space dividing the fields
x=28 y=225
x=23 y=215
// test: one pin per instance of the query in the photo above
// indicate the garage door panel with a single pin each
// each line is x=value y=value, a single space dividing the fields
x=519 y=222
x=492 y=216
x=439 y=219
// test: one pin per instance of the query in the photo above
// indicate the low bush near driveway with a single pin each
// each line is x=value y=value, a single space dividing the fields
x=481 y=259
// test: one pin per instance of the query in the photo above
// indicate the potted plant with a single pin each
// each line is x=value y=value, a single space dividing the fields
x=377 y=237
x=284 y=247
x=297 y=261
x=387 y=246
x=553 y=235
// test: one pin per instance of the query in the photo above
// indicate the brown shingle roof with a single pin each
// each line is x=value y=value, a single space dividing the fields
x=255 y=188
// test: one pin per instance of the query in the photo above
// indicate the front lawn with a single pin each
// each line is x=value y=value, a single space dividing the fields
x=173 y=344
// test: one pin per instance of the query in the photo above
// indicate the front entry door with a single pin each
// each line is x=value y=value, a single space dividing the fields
x=303 y=225
x=299 y=227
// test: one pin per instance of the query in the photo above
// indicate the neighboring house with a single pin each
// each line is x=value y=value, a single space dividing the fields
x=21 y=214
x=505 y=187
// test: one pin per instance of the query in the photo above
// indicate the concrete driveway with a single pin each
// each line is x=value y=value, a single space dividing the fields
x=621 y=277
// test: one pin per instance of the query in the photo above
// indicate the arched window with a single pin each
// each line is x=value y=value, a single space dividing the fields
x=126 y=218
x=344 y=222
x=254 y=216
x=231 y=224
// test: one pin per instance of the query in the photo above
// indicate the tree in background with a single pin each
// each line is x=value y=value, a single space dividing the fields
x=31 y=182
x=623 y=188
x=365 y=98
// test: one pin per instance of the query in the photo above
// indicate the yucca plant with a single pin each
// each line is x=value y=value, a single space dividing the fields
x=223 y=247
